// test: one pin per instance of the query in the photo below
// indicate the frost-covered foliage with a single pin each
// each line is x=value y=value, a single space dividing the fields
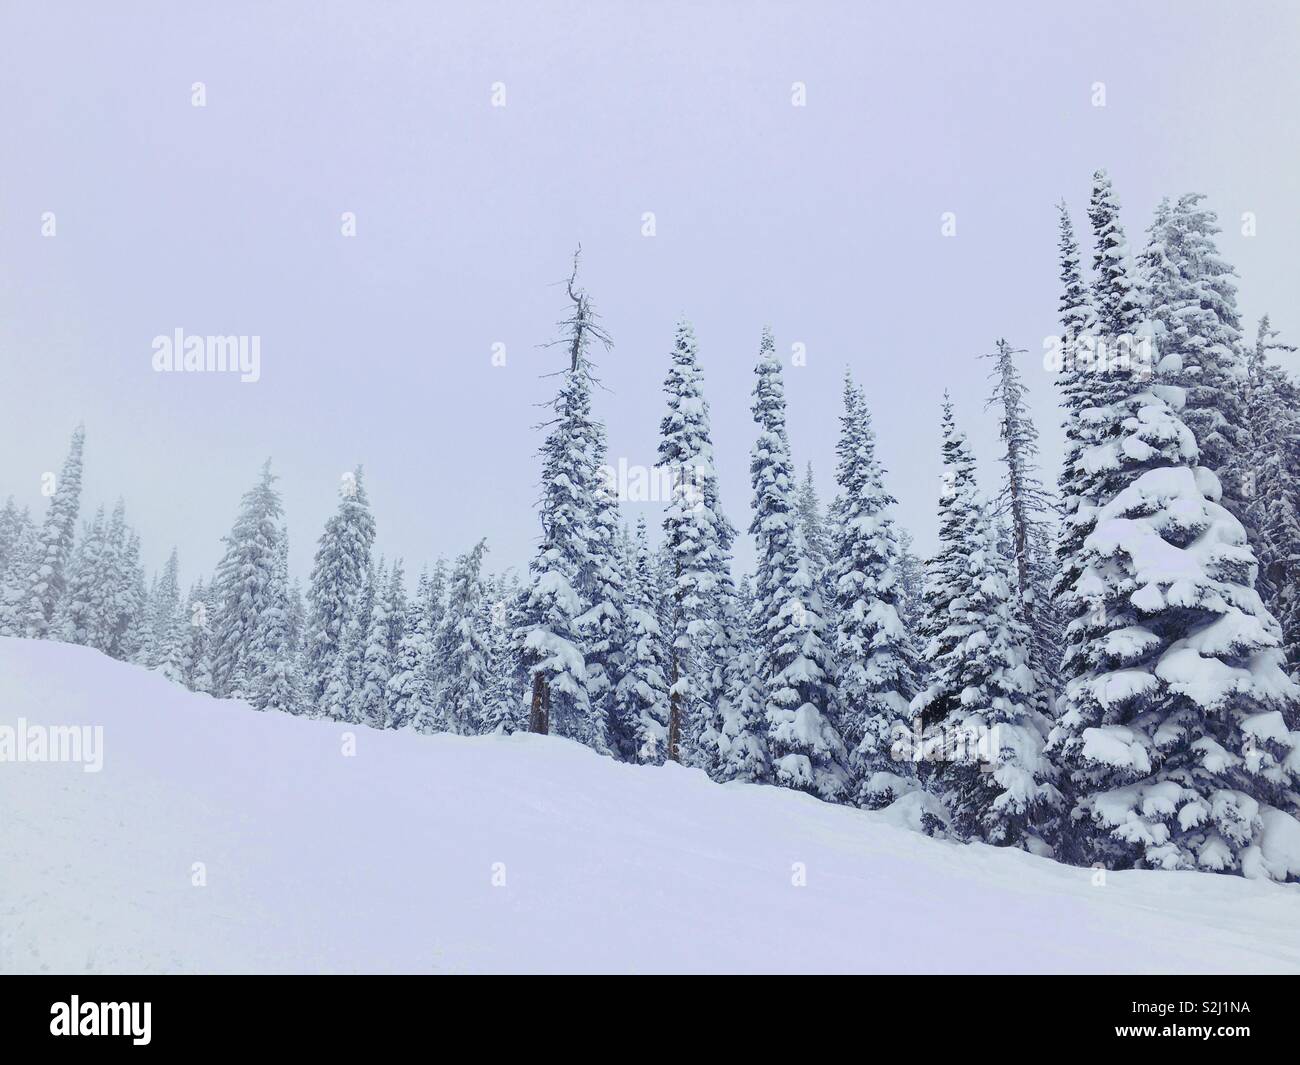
x=383 y=637
x=164 y=627
x=804 y=744
x=103 y=603
x=277 y=683
x=697 y=550
x=1030 y=514
x=553 y=641
x=504 y=709
x=38 y=566
x=244 y=584
x=409 y=692
x=875 y=674
x=984 y=739
x=338 y=570
x=642 y=696
x=1173 y=731
x=1197 y=330
x=1174 y=725
x=1270 y=483
x=461 y=646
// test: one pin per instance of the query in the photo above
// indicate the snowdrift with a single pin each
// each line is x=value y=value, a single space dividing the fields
x=217 y=839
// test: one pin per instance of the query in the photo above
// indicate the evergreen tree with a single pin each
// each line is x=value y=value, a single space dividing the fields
x=601 y=584
x=84 y=612
x=340 y=701
x=1198 y=334
x=642 y=696
x=338 y=571
x=552 y=641
x=911 y=592
x=816 y=538
x=697 y=547
x=1271 y=484
x=379 y=656
x=197 y=651
x=44 y=582
x=14 y=529
x=409 y=692
x=945 y=572
x=164 y=644
x=20 y=560
x=508 y=677
x=278 y=678
x=128 y=594
x=742 y=745
x=875 y=678
x=1029 y=511
x=1173 y=729
x=461 y=643
x=1076 y=378
x=803 y=740
x=244 y=585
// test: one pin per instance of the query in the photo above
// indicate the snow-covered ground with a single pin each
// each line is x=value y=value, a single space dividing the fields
x=385 y=860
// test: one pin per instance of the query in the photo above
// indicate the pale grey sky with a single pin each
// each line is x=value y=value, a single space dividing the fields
x=822 y=221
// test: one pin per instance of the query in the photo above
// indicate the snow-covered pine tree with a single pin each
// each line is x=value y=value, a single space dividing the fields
x=409 y=694
x=642 y=696
x=984 y=739
x=338 y=571
x=13 y=524
x=1173 y=725
x=911 y=591
x=370 y=706
x=1197 y=329
x=167 y=627
x=340 y=701
x=83 y=615
x=875 y=676
x=945 y=571
x=146 y=654
x=601 y=584
x=1076 y=375
x=508 y=678
x=742 y=740
x=462 y=645
x=44 y=583
x=278 y=678
x=127 y=587
x=803 y=740
x=816 y=537
x=243 y=583
x=1271 y=487
x=197 y=654
x=552 y=643
x=697 y=545
x=1103 y=372
x=20 y=562
x=435 y=607
x=383 y=646
x=1030 y=513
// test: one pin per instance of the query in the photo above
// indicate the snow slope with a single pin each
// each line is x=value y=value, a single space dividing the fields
x=384 y=861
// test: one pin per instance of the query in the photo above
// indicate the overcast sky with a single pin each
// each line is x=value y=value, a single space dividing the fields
x=822 y=221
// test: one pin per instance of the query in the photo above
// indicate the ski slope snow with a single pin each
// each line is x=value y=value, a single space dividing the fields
x=217 y=839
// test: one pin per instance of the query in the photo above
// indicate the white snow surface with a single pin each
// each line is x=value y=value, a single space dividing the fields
x=384 y=862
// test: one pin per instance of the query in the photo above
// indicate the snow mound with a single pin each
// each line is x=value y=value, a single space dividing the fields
x=526 y=853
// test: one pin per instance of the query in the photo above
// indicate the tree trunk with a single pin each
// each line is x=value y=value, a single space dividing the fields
x=539 y=714
x=674 y=716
